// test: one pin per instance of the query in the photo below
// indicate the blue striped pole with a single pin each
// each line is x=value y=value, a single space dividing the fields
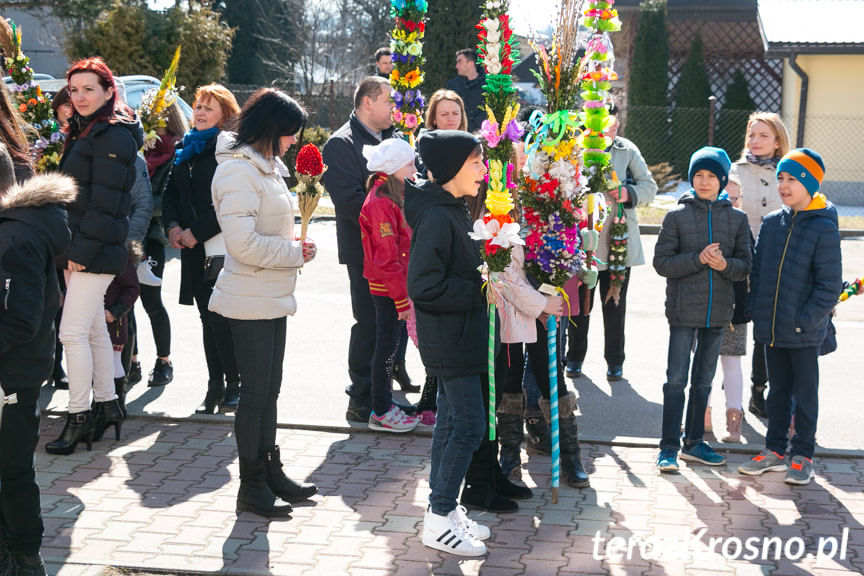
x=552 y=342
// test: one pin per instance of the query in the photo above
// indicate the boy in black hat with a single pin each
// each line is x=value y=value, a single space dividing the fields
x=445 y=285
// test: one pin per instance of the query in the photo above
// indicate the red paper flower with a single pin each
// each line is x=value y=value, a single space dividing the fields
x=309 y=161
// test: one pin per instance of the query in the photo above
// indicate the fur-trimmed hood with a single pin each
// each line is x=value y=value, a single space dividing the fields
x=39 y=202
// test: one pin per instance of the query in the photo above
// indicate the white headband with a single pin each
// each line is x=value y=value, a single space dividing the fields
x=389 y=156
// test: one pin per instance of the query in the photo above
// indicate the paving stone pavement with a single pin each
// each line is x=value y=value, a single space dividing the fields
x=163 y=499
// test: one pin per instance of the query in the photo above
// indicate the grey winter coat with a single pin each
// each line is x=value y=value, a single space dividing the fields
x=142 y=202
x=696 y=295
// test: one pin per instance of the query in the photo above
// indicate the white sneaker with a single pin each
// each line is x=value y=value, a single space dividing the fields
x=478 y=531
x=447 y=533
x=145 y=273
x=394 y=420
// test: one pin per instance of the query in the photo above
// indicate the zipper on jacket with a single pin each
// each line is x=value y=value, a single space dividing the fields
x=779 y=272
x=6 y=294
x=710 y=270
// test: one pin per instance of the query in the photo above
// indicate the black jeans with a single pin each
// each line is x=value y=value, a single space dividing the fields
x=151 y=299
x=793 y=374
x=218 y=345
x=260 y=349
x=387 y=335
x=361 y=346
x=759 y=372
x=20 y=511
x=613 y=324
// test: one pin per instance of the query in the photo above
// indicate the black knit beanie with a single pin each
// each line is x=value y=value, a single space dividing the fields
x=444 y=152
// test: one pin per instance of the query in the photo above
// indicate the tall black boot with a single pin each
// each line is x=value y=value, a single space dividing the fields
x=539 y=441
x=281 y=485
x=215 y=395
x=106 y=414
x=232 y=398
x=79 y=428
x=571 y=453
x=479 y=492
x=400 y=375
x=757 y=400
x=25 y=565
x=254 y=495
x=120 y=390
x=510 y=411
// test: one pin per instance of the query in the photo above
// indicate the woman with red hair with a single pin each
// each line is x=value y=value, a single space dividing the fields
x=103 y=138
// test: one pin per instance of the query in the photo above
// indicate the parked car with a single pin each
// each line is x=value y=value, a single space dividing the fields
x=132 y=88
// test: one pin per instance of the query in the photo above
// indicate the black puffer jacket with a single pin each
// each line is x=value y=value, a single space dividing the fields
x=188 y=201
x=696 y=295
x=103 y=164
x=33 y=232
x=444 y=283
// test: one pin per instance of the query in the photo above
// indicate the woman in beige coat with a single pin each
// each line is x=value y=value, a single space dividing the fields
x=255 y=289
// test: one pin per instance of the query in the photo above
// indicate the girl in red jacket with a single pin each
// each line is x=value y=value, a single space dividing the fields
x=386 y=242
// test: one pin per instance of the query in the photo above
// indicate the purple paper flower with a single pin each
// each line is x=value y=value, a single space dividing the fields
x=397 y=97
x=514 y=131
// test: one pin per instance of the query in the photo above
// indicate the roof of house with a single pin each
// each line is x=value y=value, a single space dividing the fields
x=812 y=26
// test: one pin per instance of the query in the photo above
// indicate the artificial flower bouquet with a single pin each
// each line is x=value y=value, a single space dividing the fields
x=157 y=102
x=406 y=44
x=309 y=169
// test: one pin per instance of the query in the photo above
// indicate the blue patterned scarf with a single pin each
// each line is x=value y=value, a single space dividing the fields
x=194 y=142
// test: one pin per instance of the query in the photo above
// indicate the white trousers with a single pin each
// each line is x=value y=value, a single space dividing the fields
x=84 y=334
x=733 y=381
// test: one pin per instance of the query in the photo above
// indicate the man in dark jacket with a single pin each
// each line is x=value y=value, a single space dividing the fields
x=345 y=181
x=703 y=247
x=469 y=85
x=33 y=232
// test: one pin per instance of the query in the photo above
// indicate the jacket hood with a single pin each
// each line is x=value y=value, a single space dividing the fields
x=422 y=195
x=49 y=191
x=226 y=150
x=691 y=198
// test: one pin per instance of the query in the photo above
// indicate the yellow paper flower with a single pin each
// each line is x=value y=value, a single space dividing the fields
x=498 y=198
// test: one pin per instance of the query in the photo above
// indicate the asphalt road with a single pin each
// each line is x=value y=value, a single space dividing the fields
x=315 y=372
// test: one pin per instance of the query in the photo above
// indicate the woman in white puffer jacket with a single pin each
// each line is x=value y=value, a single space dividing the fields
x=255 y=289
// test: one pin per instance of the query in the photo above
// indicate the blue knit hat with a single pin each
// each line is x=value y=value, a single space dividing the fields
x=713 y=159
x=806 y=166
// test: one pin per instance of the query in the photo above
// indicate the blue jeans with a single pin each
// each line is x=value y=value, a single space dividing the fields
x=793 y=375
x=458 y=432
x=678 y=365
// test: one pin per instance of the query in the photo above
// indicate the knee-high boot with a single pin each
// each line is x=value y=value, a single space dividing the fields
x=571 y=453
x=510 y=434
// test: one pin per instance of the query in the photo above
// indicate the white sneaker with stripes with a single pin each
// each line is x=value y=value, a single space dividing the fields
x=450 y=534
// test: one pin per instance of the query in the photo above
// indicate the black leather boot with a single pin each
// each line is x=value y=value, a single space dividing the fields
x=479 y=492
x=214 y=397
x=254 y=495
x=232 y=398
x=511 y=411
x=79 y=428
x=404 y=381
x=757 y=400
x=571 y=454
x=539 y=441
x=281 y=485
x=106 y=414
x=24 y=565
x=120 y=390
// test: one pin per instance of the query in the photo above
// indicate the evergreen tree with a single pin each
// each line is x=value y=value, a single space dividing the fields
x=268 y=34
x=732 y=120
x=690 y=116
x=649 y=78
x=450 y=28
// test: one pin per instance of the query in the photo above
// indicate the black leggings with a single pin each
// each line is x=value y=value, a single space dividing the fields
x=218 y=345
x=151 y=299
x=260 y=349
x=509 y=365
